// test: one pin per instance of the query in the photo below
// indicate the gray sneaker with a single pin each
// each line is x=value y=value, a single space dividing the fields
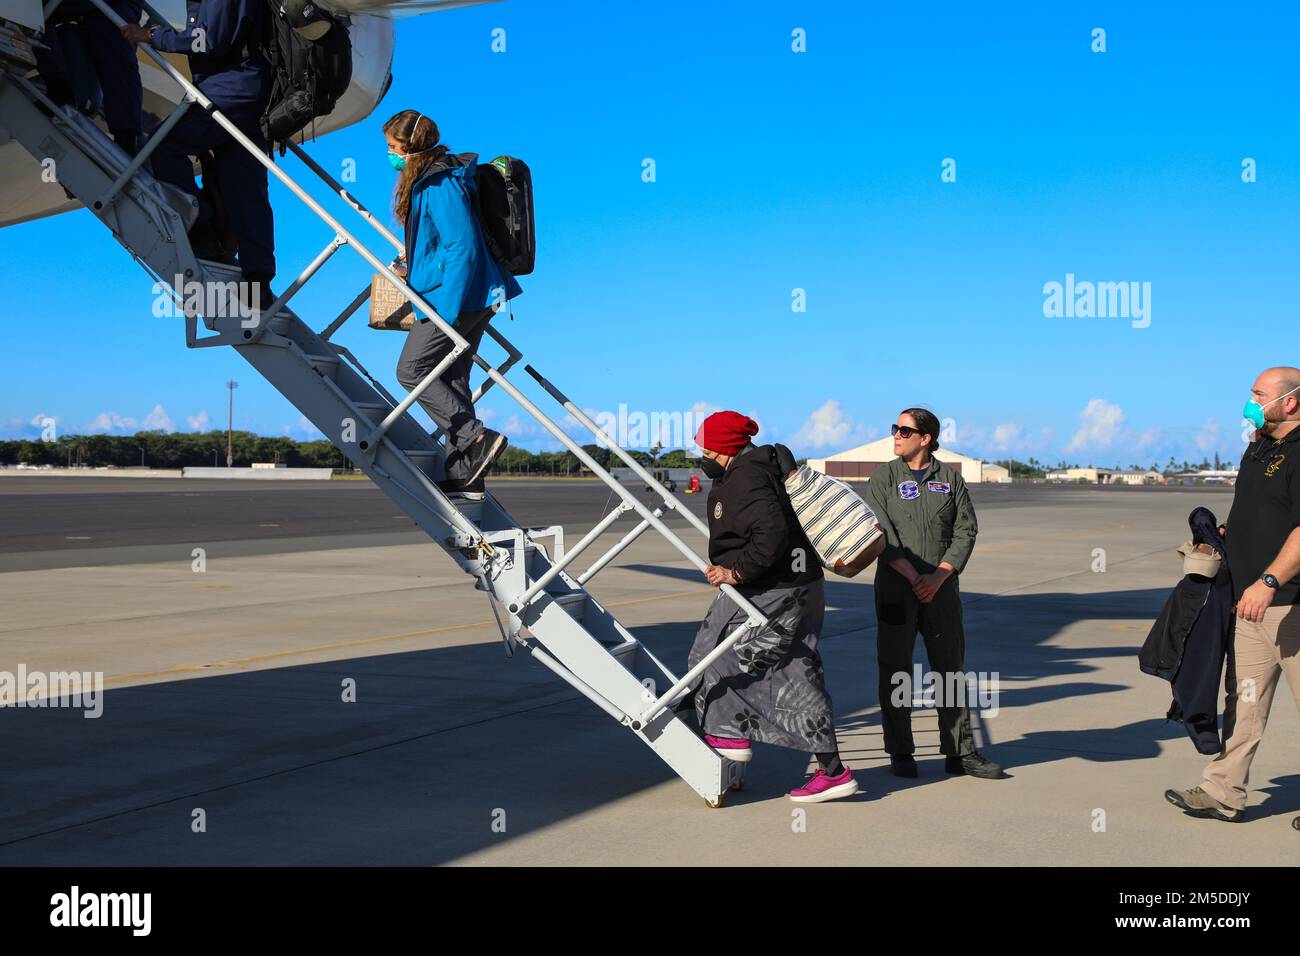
x=1200 y=804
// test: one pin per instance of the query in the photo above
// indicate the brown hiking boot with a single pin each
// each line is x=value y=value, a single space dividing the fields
x=1199 y=803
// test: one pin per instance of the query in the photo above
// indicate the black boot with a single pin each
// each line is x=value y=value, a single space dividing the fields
x=130 y=142
x=974 y=764
x=255 y=291
x=902 y=765
x=205 y=244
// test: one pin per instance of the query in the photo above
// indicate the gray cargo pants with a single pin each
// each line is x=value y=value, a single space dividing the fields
x=448 y=400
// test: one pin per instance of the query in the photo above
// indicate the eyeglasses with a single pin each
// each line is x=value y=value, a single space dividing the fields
x=902 y=431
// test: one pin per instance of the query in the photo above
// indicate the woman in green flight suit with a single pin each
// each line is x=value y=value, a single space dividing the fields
x=926 y=513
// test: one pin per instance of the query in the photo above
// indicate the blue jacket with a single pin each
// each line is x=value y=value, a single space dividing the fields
x=231 y=71
x=450 y=265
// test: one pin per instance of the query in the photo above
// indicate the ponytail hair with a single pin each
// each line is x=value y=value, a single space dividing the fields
x=926 y=422
x=419 y=137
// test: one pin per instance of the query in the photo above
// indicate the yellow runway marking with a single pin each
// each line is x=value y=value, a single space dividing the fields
x=387 y=639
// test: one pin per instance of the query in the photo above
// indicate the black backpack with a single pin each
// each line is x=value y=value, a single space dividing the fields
x=308 y=76
x=505 y=210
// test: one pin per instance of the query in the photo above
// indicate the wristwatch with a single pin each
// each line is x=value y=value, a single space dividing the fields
x=1269 y=580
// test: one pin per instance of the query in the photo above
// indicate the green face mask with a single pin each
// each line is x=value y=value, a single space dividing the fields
x=396 y=160
x=1254 y=411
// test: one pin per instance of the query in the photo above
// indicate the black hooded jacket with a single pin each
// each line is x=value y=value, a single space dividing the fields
x=752 y=525
x=1188 y=643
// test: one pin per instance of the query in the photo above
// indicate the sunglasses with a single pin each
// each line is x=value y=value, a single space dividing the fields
x=903 y=431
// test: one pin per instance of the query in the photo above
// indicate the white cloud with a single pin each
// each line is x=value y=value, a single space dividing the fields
x=1208 y=438
x=1101 y=423
x=516 y=427
x=112 y=422
x=307 y=428
x=19 y=426
x=1144 y=441
x=200 y=422
x=830 y=427
x=158 y=420
x=1008 y=437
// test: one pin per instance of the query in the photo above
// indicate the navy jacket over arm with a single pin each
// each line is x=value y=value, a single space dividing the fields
x=1188 y=643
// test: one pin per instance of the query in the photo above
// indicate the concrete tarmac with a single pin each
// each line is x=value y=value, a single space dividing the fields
x=225 y=696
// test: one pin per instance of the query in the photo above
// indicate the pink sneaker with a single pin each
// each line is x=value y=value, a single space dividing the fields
x=735 y=750
x=823 y=787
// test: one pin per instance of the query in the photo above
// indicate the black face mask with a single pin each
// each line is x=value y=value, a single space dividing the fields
x=712 y=470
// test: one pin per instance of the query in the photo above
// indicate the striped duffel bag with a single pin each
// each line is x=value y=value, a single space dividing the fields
x=839 y=524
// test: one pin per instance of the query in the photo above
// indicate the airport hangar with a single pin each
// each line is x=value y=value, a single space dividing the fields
x=857 y=464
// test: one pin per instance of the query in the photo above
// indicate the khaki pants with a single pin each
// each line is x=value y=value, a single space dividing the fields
x=1264 y=651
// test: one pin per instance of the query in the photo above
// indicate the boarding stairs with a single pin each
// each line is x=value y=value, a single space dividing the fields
x=548 y=608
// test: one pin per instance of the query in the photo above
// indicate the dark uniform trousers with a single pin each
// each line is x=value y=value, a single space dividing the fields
x=85 y=56
x=240 y=177
x=900 y=615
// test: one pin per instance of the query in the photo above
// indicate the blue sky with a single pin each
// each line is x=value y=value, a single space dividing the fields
x=776 y=171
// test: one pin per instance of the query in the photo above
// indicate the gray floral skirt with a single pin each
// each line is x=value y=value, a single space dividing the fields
x=769 y=686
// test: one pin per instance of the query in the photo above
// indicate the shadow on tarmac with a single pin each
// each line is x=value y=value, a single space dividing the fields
x=442 y=744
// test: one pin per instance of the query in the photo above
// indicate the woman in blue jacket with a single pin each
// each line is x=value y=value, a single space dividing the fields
x=449 y=266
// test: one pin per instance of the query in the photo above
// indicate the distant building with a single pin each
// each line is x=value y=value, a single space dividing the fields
x=1206 y=476
x=857 y=464
x=994 y=472
x=1106 y=476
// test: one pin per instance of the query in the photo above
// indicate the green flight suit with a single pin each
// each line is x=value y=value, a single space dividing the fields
x=925 y=521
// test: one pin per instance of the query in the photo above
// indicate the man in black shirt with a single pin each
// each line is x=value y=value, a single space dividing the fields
x=1263 y=541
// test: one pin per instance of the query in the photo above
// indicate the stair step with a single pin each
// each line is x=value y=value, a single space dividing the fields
x=423 y=458
x=220 y=270
x=375 y=412
x=326 y=365
x=575 y=602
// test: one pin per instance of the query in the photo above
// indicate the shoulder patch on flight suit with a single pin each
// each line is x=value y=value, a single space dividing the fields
x=938 y=487
x=717 y=509
x=907 y=490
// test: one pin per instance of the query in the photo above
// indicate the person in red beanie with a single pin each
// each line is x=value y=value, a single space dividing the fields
x=769 y=686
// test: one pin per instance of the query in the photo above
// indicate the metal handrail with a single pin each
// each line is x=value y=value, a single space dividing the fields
x=360 y=208
x=754 y=617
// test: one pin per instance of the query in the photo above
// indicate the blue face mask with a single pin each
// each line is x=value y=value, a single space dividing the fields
x=1254 y=411
x=396 y=160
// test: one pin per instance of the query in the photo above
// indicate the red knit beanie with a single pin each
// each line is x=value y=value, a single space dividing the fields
x=726 y=432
